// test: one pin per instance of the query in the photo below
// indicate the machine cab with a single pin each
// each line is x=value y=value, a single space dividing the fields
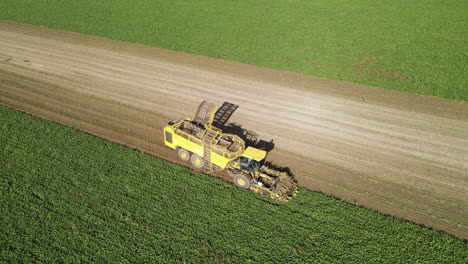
x=251 y=158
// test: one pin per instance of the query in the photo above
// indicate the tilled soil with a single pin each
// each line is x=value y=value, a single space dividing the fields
x=400 y=154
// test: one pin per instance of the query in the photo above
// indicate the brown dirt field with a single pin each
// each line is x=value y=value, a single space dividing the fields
x=401 y=154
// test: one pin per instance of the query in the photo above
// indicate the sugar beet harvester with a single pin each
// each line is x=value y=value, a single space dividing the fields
x=201 y=141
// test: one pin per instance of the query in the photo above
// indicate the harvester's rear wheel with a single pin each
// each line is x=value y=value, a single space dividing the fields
x=197 y=161
x=242 y=181
x=183 y=154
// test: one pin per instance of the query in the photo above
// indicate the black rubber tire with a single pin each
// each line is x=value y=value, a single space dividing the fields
x=183 y=154
x=242 y=181
x=197 y=161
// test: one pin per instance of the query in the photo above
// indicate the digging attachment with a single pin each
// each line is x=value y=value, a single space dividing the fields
x=277 y=185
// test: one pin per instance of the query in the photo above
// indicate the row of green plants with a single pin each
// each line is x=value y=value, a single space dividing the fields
x=67 y=196
x=413 y=46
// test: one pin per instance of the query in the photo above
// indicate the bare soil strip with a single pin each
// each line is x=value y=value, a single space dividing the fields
x=401 y=154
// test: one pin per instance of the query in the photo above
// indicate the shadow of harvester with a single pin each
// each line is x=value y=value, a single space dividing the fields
x=249 y=136
x=251 y=140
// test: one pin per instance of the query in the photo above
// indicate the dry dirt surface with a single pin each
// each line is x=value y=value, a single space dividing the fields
x=400 y=154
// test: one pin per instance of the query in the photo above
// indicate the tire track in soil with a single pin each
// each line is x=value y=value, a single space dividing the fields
x=400 y=154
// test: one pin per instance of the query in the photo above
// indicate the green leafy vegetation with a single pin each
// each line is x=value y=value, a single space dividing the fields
x=416 y=46
x=69 y=197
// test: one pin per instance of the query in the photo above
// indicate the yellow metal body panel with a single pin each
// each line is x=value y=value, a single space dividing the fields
x=169 y=131
x=255 y=154
x=219 y=160
x=186 y=141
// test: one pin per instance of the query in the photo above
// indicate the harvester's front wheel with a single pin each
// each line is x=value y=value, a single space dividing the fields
x=197 y=161
x=183 y=154
x=242 y=181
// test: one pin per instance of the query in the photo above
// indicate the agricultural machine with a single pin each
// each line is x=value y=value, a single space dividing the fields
x=202 y=141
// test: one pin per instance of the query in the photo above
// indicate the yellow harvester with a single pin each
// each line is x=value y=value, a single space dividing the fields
x=201 y=141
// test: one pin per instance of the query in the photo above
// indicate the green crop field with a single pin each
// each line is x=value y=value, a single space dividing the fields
x=69 y=197
x=416 y=46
